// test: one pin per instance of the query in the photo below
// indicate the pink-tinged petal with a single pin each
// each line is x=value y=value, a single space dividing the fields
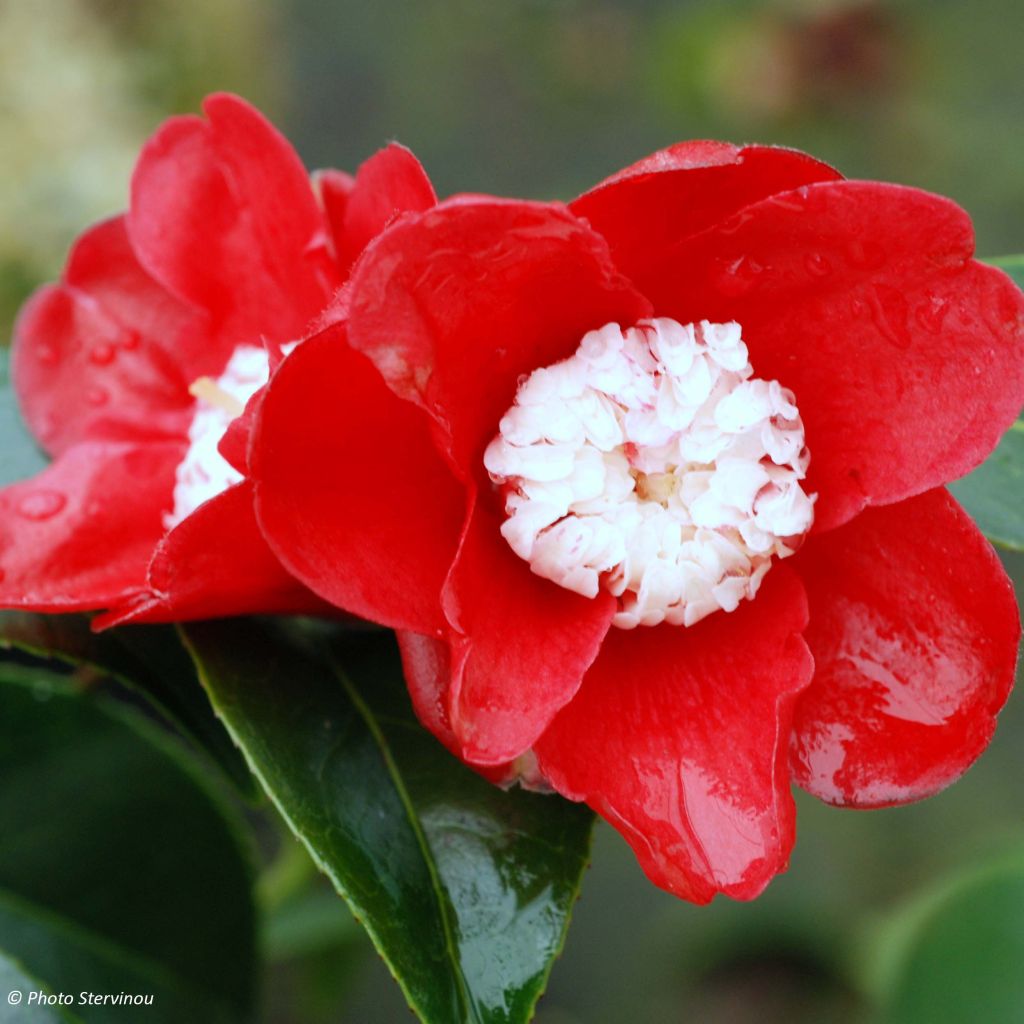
x=108 y=344
x=679 y=738
x=906 y=357
x=390 y=183
x=455 y=304
x=687 y=188
x=215 y=563
x=80 y=534
x=223 y=215
x=914 y=631
x=350 y=491
x=520 y=645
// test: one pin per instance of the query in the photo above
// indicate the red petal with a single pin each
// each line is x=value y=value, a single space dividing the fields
x=80 y=534
x=520 y=645
x=213 y=564
x=427 y=666
x=679 y=737
x=685 y=189
x=350 y=491
x=390 y=183
x=906 y=357
x=335 y=190
x=109 y=345
x=455 y=304
x=223 y=214
x=914 y=632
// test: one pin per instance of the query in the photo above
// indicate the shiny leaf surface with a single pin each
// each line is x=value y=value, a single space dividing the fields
x=465 y=890
x=993 y=494
x=148 y=659
x=119 y=870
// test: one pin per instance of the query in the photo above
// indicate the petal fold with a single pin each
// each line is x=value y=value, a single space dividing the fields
x=679 y=738
x=675 y=192
x=455 y=304
x=914 y=630
x=350 y=491
x=216 y=563
x=520 y=645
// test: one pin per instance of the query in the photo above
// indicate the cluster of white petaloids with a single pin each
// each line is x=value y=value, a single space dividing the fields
x=204 y=472
x=653 y=464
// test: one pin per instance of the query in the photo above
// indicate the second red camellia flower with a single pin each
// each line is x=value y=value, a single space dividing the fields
x=132 y=369
x=651 y=488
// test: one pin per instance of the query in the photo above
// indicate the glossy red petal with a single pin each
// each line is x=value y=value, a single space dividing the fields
x=679 y=738
x=685 y=189
x=390 y=183
x=427 y=666
x=455 y=304
x=223 y=215
x=80 y=534
x=520 y=645
x=108 y=345
x=350 y=491
x=914 y=632
x=906 y=357
x=214 y=564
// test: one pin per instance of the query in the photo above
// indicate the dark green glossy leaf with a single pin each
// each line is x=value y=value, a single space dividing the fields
x=958 y=958
x=14 y=979
x=147 y=659
x=19 y=456
x=120 y=871
x=465 y=890
x=994 y=493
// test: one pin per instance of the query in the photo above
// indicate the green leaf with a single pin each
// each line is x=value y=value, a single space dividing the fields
x=19 y=456
x=959 y=960
x=465 y=890
x=147 y=659
x=994 y=493
x=14 y=979
x=120 y=871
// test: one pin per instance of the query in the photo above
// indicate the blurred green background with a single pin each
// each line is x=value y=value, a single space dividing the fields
x=542 y=98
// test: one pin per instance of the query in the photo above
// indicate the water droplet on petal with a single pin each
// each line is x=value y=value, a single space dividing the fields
x=97 y=396
x=865 y=253
x=39 y=505
x=817 y=264
x=46 y=353
x=736 y=277
x=131 y=340
x=102 y=354
x=931 y=313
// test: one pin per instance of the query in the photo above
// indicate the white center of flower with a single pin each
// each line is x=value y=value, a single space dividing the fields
x=204 y=472
x=653 y=464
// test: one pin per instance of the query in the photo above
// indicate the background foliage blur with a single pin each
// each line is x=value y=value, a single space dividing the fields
x=542 y=98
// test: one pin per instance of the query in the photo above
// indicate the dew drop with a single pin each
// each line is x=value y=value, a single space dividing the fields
x=931 y=313
x=131 y=340
x=817 y=264
x=102 y=354
x=46 y=354
x=39 y=505
x=736 y=277
x=97 y=396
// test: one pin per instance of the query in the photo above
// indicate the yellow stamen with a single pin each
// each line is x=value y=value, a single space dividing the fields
x=207 y=390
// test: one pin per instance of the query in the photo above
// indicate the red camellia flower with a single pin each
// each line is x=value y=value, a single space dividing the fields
x=131 y=369
x=651 y=488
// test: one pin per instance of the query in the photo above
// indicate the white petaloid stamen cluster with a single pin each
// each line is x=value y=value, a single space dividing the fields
x=204 y=472
x=653 y=463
